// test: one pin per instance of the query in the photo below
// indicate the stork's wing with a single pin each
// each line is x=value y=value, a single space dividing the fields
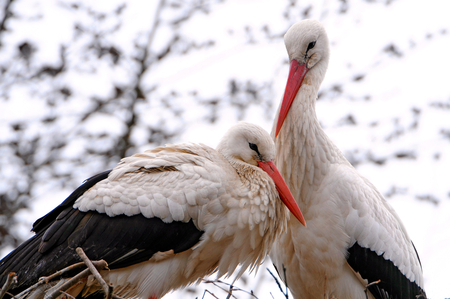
x=108 y=216
x=380 y=249
x=373 y=267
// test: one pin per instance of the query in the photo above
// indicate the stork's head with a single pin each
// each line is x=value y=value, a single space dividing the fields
x=307 y=46
x=248 y=143
x=251 y=144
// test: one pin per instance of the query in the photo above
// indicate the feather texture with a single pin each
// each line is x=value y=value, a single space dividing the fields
x=163 y=219
x=353 y=236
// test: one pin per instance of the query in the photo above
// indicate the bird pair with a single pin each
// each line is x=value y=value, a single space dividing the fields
x=167 y=217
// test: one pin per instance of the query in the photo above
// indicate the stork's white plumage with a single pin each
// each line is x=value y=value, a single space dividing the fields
x=165 y=218
x=353 y=237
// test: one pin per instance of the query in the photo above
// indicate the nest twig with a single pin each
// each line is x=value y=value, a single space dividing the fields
x=93 y=268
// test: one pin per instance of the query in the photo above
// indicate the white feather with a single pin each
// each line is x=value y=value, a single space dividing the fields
x=339 y=205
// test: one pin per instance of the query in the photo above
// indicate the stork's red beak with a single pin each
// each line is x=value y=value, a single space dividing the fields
x=283 y=190
x=297 y=73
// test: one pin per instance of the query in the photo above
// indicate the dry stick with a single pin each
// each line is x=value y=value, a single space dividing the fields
x=370 y=284
x=231 y=289
x=230 y=292
x=276 y=280
x=46 y=279
x=278 y=283
x=93 y=267
x=207 y=291
x=94 y=271
x=285 y=282
x=12 y=278
x=215 y=284
x=85 y=273
x=67 y=294
x=68 y=284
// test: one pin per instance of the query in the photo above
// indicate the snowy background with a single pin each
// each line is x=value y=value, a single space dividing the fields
x=84 y=83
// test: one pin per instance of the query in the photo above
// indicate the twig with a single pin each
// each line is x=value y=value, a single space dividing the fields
x=370 y=284
x=276 y=280
x=205 y=291
x=12 y=278
x=285 y=282
x=230 y=291
x=85 y=273
x=106 y=288
x=278 y=283
x=68 y=284
x=46 y=279
x=93 y=268
x=215 y=283
x=67 y=294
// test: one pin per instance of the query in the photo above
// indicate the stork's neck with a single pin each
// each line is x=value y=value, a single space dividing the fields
x=304 y=151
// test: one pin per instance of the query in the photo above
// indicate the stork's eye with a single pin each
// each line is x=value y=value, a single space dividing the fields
x=311 y=45
x=253 y=147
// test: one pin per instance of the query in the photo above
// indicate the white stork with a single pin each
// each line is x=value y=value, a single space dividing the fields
x=354 y=237
x=165 y=218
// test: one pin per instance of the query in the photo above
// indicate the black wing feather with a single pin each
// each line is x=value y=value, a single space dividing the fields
x=373 y=267
x=121 y=240
x=43 y=222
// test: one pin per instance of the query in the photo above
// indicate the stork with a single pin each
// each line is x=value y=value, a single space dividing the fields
x=165 y=218
x=355 y=242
